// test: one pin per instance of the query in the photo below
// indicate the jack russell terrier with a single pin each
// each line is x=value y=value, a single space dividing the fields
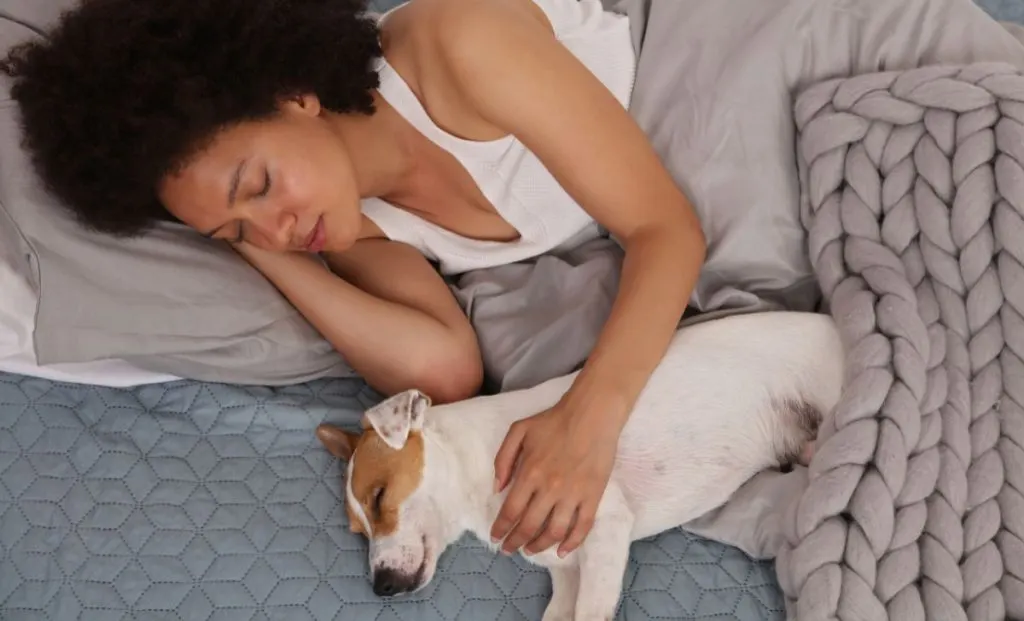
x=731 y=397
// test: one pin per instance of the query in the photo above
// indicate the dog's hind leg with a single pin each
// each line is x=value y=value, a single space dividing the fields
x=565 y=581
x=602 y=559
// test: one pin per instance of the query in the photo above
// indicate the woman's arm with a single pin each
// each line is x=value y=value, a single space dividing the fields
x=386 y=310
x=520 y=78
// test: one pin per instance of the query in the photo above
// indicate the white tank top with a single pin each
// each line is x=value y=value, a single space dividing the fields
x=515 y=182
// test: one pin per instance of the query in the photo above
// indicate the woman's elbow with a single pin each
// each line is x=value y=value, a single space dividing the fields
x=686 y=233
x=453 y=376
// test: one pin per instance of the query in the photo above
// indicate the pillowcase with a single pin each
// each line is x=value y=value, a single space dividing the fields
x=18 y=299
x=170 y=301
x=17 y=320
x=16 y=282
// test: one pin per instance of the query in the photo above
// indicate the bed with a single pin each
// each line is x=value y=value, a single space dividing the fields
x=144 y=496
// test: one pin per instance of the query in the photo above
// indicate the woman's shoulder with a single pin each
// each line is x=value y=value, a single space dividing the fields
x=454 y=54
x=448 y=24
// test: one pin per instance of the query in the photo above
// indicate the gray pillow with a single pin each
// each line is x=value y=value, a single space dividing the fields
x=35 y=14
x=170 y=301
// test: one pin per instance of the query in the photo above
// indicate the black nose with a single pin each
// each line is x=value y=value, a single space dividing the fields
x=388 y=583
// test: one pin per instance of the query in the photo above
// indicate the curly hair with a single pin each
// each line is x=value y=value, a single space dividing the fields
x=123 y=92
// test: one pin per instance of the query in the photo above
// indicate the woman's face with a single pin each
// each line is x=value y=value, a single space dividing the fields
x=283 y=184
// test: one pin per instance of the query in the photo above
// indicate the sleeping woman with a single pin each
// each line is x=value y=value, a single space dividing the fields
x=354 y=160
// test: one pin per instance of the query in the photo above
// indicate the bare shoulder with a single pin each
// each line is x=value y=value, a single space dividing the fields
x=503 y=63
x=441 y=46
x=491 y=53
x=438 y=28
x=468 y=32
x=448 y=17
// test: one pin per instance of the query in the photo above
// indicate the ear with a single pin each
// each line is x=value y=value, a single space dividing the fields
x=339 y=442
x=396 y=416
x=306 y=104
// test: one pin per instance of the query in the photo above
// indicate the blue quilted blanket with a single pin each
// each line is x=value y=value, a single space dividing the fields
x=208 y=502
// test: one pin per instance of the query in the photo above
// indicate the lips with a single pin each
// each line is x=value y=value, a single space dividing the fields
x=315 y=240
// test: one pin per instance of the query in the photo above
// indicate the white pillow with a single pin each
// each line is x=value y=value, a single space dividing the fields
x=17 y=304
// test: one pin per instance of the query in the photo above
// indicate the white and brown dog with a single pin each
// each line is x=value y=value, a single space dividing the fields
x=731 y=397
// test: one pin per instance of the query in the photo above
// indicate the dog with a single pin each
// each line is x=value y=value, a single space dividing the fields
x=731 y=397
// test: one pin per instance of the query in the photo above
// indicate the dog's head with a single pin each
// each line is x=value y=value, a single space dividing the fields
x=387 y=495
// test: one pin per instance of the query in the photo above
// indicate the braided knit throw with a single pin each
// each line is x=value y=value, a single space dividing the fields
x=912 y=188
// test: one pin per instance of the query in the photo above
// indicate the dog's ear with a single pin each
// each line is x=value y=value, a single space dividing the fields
x=394 y=417
x=339 y=442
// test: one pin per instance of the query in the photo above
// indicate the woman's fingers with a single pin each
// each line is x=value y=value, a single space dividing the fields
x=505 y=460
x=580 y=530
x=533 y=519
x=557 y=527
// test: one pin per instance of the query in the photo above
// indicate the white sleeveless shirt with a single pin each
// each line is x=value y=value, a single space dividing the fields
x=513 y=179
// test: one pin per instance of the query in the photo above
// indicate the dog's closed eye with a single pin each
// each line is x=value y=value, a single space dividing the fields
x=378 y=498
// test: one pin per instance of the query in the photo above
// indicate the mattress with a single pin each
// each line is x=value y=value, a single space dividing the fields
x=202 y=501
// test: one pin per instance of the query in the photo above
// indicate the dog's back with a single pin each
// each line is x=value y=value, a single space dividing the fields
x=731 y=397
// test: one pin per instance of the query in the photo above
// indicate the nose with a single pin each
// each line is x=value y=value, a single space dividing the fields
x=388 y=583
x=275 y=225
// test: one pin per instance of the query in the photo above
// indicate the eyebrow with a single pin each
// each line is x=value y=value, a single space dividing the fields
x=232 y=192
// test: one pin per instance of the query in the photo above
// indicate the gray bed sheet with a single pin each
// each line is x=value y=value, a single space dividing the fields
x=199 y=501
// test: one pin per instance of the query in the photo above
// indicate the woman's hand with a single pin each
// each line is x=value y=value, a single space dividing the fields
x=565 y=458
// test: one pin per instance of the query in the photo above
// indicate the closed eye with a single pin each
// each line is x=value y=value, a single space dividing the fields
x=266 y=183
x=378 y=498
x=239 y=236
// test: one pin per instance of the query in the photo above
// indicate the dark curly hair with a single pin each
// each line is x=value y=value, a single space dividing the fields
x=123 y=92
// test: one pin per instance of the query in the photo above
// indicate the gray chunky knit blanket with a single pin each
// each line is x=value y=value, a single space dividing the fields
x=913 y=198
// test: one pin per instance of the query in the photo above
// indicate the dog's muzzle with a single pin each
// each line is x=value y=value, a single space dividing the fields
x=389 y=583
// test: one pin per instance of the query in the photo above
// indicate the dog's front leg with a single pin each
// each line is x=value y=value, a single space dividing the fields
x=565 y=581
x=602 y=559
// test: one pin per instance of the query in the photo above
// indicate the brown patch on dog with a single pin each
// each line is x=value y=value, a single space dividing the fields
x=382 y=478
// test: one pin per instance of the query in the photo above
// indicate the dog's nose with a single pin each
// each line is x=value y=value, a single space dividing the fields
x=387 y=583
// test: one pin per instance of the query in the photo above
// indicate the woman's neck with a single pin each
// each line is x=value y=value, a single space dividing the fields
x=381 y=148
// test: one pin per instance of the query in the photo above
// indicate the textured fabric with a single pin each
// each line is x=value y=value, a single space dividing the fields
x=514 y=180
x=539 y=319
x=913 y=197
x=204 y=502
x=1005 y=10
x=714 y=95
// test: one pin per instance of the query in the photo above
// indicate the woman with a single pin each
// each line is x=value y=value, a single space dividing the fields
x=466 y=132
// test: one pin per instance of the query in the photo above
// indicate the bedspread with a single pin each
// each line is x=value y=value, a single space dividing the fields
x=193 y=501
